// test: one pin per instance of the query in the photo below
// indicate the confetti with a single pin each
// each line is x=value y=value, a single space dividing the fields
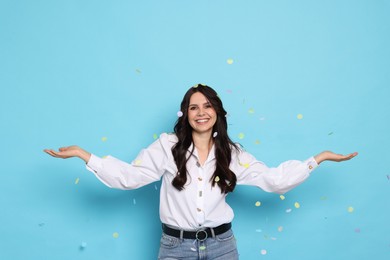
x=245 y=165
x=330 y=133
x=104 y=157
x=229 y=61
x=257 y=142
x=41 y=224
x=216 y=179
x=258 y=204
x=115 y=235
x=280 y=228
x=179 y=114
x=83 y=245
x=137 y=162
x=261 y=118
x=259 y=230
x=104 y=139
x=282 y=197
x=193 y=249
x=229 y=91
x=299 y=116
x=288 y=210
x=297 y=205
x=273 y=238
x=202 y=248
x=134 y=201
x=155 y=187
x=388 y=177
x=138 y=71
x=263 y=252
x=215 y=134
x=350 y=209
x=241 y=135
x=357 y=230
x=323 y=198
x=155 y=136
x=251 y=111
x=77 y=181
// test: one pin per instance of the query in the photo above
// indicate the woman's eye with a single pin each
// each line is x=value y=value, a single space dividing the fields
x=192 y=108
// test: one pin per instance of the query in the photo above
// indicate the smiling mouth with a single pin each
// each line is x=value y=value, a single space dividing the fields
x=202 y=120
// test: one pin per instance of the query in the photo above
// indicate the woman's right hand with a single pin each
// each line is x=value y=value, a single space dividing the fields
x=68 y=152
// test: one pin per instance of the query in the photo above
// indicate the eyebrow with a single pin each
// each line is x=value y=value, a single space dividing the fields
x=195 y=105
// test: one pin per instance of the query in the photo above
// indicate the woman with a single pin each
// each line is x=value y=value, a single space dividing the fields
x=199 y=165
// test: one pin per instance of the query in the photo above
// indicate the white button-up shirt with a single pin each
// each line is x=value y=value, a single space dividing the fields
x=198 y=204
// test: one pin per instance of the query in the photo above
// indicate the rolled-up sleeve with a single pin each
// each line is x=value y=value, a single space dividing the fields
x=281 y=179
x=148 y=167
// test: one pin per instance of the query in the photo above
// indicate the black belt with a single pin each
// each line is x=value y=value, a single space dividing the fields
x=201 y=234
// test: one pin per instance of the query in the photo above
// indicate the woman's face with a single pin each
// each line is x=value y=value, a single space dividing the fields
x=201 y=114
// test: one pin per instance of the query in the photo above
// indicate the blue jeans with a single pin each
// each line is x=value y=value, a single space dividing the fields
x=220 y=247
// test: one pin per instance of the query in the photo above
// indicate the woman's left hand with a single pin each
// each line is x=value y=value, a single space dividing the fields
x=331 y=156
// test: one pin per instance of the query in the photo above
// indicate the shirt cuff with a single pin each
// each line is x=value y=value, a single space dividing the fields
x=94 y=164
x=311 y=164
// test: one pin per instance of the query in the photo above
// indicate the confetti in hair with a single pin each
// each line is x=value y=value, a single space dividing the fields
x=179 y=114
x=215 y=134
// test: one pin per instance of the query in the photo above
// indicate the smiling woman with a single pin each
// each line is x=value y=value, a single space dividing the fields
x=198 y=165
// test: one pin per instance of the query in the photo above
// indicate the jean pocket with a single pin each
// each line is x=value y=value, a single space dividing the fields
x=228 y=235
x=169 y=241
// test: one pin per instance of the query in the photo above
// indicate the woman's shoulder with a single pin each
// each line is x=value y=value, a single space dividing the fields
x=169 y=137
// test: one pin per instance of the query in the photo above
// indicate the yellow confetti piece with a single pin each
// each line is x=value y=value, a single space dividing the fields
x=104 y=139
x=77 y=181
x=297 y=205
x=251 y=111
x=216 y=179
x=241 y=135
x=258 y=204
x=282 y=197
x=229 y=61
x=115 y=235
x=350 y=209
x=245 y=165
x=155 y=136
x=104 y=157
x=280 y=228
x=202 y=248
x=299 y=116
x=257 y=142
x=137 y=162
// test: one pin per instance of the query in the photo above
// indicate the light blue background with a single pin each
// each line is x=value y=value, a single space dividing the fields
x=73 y=72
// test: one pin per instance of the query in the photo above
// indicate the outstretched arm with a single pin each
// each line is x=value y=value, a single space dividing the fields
x=70 y=151
x=331 y=156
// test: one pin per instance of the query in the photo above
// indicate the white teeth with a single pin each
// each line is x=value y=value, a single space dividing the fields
x=202 y=120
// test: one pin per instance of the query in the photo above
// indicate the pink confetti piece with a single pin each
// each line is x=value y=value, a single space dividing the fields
x=357 y=230
x=263 y=252
x=229 y=91
x=179 y=114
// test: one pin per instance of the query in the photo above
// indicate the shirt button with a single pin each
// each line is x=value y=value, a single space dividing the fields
x=200 y=179
x=198 y=209
x=310 y=167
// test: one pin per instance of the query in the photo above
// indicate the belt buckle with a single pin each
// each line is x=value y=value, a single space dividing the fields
x=200 y=232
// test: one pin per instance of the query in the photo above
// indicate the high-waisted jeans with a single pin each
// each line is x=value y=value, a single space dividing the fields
x=220 y=247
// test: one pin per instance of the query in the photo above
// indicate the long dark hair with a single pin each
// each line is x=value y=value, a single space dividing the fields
x=223 y=176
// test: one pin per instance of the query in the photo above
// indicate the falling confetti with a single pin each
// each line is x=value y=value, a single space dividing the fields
x=288 y=210
x=229 y=61
x=138 y=71
x=388 y=177
x=280 y=228
x=357 y=230
x=104 y=139
x=104 y=157
x=297 y=205
x=282 y=197
x=77 y=181
x=258 y=204
x=257 y=142
x=241 y=135
x=179 y=114
x=115 y=235
x=263 y=252
x=251 y=111
x=229 y=91
x=323 y=198
x=202 y=248
x=299 y=116
x=259 y=230
x=155 y=136
x=330 y=133
x=83 y=245
x=216 y=179
x=350 y=209
x=261 y=118
x=193 y=249
x=134 y=201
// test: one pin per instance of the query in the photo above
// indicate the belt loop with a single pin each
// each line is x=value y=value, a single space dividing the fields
x=212 y=232
x=181 y=233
